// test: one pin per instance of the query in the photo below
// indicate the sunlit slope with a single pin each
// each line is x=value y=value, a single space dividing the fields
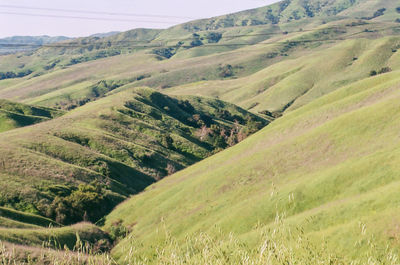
x=14 y=115
x=327 y=165
x=295 y=82
x=244 y=75
x=54 y=237
x=191 y=39
x=124 y=142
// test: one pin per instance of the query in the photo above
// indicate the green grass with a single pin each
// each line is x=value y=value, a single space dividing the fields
x=9 y=215
x=327 y=165
x=317 y=186
x=58 y=238
x=125 y=142
x=14 y=115
x=67 y=84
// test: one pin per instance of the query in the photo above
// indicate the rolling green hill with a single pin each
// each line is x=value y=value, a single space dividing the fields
x=143 y=118
x=241 y=72
x=14 y=115
x=326 y=167
x=123 y=142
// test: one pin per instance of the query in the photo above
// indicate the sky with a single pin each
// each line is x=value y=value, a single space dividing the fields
x=78 y=18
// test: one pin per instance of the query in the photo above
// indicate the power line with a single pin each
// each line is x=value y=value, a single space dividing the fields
x=94 y=12
x=90 y=18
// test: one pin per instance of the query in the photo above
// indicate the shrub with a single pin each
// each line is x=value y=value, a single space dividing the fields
x=196 y=40
x=385 y=70
x=372 y=73
x=382 y=71
x=226 y=71
x=214 y=37
x=88 y=202
x=164 y=52
x=118 y=231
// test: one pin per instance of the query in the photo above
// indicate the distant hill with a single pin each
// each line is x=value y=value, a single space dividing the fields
x=22 y=43
x=104 y=35
x=289 y=11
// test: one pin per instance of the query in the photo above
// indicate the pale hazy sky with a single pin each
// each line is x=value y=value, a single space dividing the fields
x=25 y=18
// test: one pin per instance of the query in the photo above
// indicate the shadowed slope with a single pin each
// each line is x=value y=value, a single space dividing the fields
x=124 y=142
x=14 y=115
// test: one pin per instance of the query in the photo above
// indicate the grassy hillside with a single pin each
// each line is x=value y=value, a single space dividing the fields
x=241 y=71
x=101 y=153
x=14 y=115
x=59 y=238
x=198 y=38
x=328 y=167
x=143 y=117
x=297 y=81
x=16 y=219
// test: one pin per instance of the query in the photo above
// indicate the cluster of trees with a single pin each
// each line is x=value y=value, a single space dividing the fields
x=96 y=91
x=8 y=75
x=51 y=65
x=213 y=37
x=88 y=202
x=196 y=41
x=95 y=56
x=215 y=134
x=226 y=71
x=378 y=13
x=221 y=137
x=271 y=17
x=382 y=71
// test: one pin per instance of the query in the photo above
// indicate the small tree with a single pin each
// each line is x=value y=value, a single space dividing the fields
x=171 y=169
x=385 y=70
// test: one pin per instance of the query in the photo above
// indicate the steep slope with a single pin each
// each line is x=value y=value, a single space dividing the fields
x=14 y=115
x=324 y=167
x=123 y=142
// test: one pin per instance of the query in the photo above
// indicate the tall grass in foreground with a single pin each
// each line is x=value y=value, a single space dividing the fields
x=279 y=244
x=21 y=255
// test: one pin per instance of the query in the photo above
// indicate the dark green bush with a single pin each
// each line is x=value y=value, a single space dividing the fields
x=85 y=203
